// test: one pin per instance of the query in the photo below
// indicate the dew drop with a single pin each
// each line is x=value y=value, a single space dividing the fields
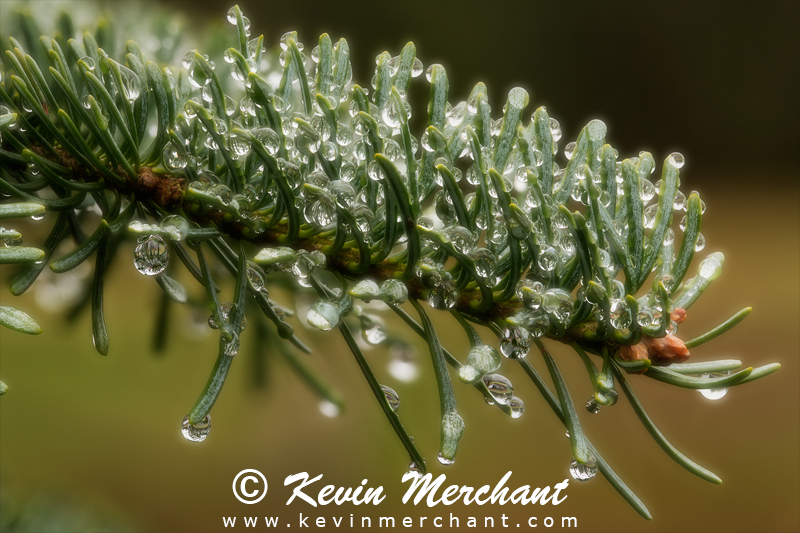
x=515 y=343
x=89 y=62
x=373 y=333
x=679 y=204
x=701 y=242
x=328 y=408
x=416 y=68
x=548 y=258
x=714 y=394
x=569 y=149
x=500 y=388
x=391 y=397
x=444 y=460
x=131 y=85
x=196 y=432
x=581 y=472
x=517 y=407
x=323 y=315
x=592 y=406
x=676 y=159
x=151 y=255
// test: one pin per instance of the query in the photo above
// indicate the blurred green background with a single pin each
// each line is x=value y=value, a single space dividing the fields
x=92 y=442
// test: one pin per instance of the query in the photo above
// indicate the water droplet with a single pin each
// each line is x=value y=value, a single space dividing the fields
x=443 y=296
x=548 y=259
x=645 y=317
x=391 y=149
x=620 y=315
x=393 y=292
x=555 y=129
x=456 y=115
x=391 y=397
x=581 y=472
x=428 y=73
x=90 y=64
x=701 y=242
x=196 y=432
x=131 y=85
x=320 y=209
x=285 y=39
x=650 y=216
x=485 y=262
x=372 y=332
x=151 y=255
x=500 y=387
x=667 y=280
x=592 y=406
x=515 y=343
x=176 y=226
x=715 y=394
x=530 y=292
x=517 y=407
x=328 y=408
x=461 y=238
x=391 y=114
x=647 y=191
x=257 y=278
x=569 y=149
x=676 y=159
x=669 y=237
x=416 y=68
x=414 y=469
x=232 y=15
x=226 y=310
x=444 y=460
x=323 y=315
x=401 y=363
x=268 y=138
x=679 y=204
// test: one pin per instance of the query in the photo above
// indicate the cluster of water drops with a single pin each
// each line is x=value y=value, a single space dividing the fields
x=290 y=143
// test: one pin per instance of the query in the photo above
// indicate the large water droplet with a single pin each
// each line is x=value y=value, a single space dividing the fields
x=714 y=394
x=323 y=315
x=456 y=115
x=373 y=333
x=443 y=296
x=196 y=432
x=391 y=397
x=328 y=408
x=569 y=149
x=676 y=159
x=461 y=238
x=592 y=406
x=393 y=292
x=517 y=407
x=445 y=460
x=516 y=343
x=226 y=310
x=548 y=258
x=176 y=226
x=701 y=242
x=581 y=472
x=500 y=387
x=401 y=364
x=416 y=68
x=151 y=255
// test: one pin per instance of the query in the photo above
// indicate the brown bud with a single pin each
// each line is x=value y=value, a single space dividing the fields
x=666 y=350
x=678 y=315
